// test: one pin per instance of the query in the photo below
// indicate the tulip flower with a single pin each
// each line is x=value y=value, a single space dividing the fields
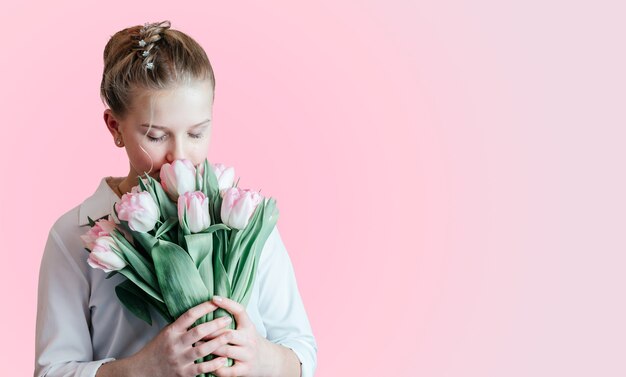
x=193 y=208
x=238 y=206
x=225 y=176
x=101 y=228
x=178 y=178
x=103 y=257
x=139 y=210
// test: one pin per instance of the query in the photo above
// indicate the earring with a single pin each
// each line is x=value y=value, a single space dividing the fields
x=118 y=141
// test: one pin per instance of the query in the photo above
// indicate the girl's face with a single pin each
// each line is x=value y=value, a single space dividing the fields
x=181 y=127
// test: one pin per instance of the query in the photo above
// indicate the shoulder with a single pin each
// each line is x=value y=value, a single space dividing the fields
x=76 y=220
x=273 y=248
x=64 y=241
x=67 y=224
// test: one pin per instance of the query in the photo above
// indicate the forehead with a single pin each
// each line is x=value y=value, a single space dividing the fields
x=183 y=105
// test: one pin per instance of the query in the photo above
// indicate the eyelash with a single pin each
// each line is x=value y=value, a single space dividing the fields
x=159 y=139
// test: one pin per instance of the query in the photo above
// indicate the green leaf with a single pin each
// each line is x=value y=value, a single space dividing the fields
x=166 y=205
x=178 y=277
x=232 y=252
x=199 y=181
x=250 y=252
x=215 y=206
x=137 y=261
x=132 y=276
x=111 y=274
x=211 y=188
x=183 y=224
x=199 y=246
x=158 y=306
x=206 y=272
x=246 y=238
x=243 y=295
x=146 y=240
x=133 y=302
x=221 y=285
x=215 y=227
x=166 y=226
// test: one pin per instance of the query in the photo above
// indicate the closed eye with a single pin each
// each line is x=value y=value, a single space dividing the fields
x=156 y=139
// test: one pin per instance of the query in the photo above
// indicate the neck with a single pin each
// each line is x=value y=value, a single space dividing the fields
x=125 y=185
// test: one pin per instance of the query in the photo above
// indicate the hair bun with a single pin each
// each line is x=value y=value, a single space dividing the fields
x=154 y=29
x=149 y=35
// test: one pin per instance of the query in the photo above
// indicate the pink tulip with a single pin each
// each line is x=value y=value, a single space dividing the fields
x=103 y=257
x=194 y=206
x=139 y=209
x=101 y=228
x=238 y=206
x=178 y=178
x=225 y=176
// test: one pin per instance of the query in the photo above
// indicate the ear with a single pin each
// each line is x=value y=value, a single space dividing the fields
x=114 y=127
x=112 y=124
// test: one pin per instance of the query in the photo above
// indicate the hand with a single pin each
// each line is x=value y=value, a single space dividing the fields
x=252 y=354
x=175 y=348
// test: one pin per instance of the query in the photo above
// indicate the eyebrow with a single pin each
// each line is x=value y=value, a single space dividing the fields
x=146 y=125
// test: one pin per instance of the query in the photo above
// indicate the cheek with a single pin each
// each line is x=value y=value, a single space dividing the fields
x=199 y=153
x=145 y=155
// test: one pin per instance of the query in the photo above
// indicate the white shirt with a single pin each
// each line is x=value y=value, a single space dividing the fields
x=81 y=324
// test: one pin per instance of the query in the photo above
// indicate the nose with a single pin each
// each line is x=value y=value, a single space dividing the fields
x=176 y=151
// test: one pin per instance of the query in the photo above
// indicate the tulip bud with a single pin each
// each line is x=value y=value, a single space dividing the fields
x=178 y=178
x=139 y=210
x=103 y=257
x=238 y=206
x=101 y=228
x=225 y=176
x=193 y=207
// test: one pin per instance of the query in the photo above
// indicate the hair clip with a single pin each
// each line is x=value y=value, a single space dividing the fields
x=145 y=54
x=150 y=65
x=142 y=43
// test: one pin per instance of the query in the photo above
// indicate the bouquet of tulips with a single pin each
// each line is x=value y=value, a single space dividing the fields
x=183 y=240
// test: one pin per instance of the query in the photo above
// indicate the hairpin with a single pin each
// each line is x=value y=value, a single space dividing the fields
x=149 y=65
x=145 y=54
x=142 y=43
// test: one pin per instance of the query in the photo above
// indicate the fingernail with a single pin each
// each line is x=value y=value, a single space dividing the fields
x=217 y=298
x=226 y=319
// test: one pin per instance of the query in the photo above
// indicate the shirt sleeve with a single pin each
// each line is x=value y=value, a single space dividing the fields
x=281 y=306
x=63 y=339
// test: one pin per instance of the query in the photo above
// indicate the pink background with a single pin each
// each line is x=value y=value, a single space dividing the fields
x=450 y=174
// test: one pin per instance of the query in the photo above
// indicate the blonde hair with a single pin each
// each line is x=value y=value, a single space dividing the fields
x=166 y=58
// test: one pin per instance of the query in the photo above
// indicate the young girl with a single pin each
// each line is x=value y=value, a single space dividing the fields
x=158 y=85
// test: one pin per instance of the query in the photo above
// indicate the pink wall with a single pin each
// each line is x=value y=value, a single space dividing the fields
x=467 y=160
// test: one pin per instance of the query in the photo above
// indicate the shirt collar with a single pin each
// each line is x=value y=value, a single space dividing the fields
x=99 y=204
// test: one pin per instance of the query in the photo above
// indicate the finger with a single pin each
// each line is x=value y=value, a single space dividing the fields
x=235 y=337
x=216 y=333
x=200 y=331
x=232 y=352
x=238 y=311
x=188 y=318
x=208 y=366
x=204 y=348
x=237 y=369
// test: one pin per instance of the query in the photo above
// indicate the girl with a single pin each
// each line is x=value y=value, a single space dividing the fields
x=158 y=85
